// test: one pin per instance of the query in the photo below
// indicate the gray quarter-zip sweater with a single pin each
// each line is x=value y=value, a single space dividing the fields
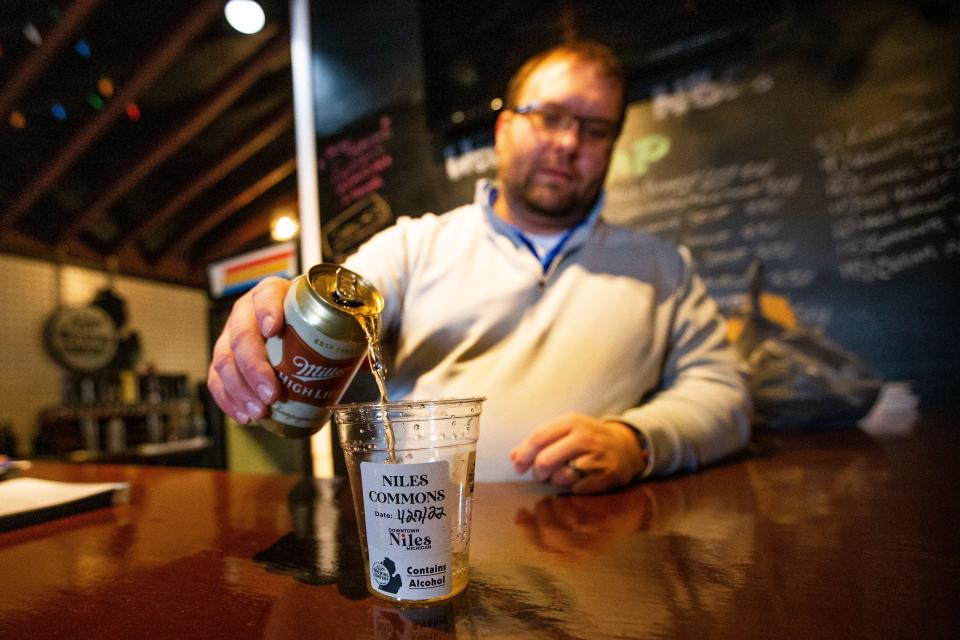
x=617 y=325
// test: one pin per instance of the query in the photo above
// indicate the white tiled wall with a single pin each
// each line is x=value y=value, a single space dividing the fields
x=171 y=322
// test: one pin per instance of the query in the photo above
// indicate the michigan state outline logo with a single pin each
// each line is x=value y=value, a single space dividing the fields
x=386 y=576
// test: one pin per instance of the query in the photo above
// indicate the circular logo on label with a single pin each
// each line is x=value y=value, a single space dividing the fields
x=380 y=574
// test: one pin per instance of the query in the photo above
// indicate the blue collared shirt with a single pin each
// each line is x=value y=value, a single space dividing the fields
x=489 y=196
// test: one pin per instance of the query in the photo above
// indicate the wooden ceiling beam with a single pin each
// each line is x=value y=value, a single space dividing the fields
x=131 y=263
x=14 y=241
x=157 y=63
x=221 y=214
x=264 y=133
x=40 y=58
x=250 y=70
x=243 y=234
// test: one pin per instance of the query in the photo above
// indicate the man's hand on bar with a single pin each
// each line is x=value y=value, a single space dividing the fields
x=240 y=377
x=584 y=454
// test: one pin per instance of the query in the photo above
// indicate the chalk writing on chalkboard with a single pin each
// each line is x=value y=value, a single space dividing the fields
x=382 y=167
x=836 y=165
x=728 y=215
x=352 y=226
x=705 y=89
x=355 y=166
x=470 y=163
x=891 y=192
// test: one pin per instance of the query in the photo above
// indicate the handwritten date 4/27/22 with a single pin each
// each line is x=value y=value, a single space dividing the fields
x=421 y=514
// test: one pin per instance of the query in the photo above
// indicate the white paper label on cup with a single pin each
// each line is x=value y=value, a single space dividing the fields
x=407 y=513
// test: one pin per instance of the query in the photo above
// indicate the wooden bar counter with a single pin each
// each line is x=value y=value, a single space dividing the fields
x=828 y=534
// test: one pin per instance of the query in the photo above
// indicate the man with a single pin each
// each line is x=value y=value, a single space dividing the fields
x=600 y=353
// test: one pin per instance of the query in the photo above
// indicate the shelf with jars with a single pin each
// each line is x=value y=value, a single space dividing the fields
x=121 y=417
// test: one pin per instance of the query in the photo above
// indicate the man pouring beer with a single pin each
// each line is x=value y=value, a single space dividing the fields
x=602 y=356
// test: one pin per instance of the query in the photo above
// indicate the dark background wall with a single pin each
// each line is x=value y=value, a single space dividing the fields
x=822 y=139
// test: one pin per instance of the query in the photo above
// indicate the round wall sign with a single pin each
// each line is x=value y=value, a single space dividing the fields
x=82 y=339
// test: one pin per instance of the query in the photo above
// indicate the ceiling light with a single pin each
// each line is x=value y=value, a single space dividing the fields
x=283 y=226
x=246 y=16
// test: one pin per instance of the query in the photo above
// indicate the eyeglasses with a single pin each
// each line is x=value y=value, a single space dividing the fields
x=554 y=118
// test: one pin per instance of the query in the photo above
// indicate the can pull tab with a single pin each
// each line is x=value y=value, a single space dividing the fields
x=345 y=291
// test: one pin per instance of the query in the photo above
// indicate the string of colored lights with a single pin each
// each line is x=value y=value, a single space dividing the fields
x=60 y=108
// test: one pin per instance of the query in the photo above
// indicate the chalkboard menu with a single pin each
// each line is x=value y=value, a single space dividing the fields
x=827 y=148
x=836 y=166
x=376 y=170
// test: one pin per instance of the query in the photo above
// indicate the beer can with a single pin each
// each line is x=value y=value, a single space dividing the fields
x=321 y=346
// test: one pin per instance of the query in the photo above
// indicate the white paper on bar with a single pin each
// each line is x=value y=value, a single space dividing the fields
x=23 y=495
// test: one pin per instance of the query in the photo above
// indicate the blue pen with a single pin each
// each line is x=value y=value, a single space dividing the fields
x=8 y=466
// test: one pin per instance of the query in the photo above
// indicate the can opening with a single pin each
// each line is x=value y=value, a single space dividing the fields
x=345 y=291
x=352 y=303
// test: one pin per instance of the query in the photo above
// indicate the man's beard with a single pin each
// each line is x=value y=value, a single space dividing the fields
x=568 y=206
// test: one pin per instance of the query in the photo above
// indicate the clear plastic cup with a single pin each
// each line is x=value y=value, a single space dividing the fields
x=413 y=503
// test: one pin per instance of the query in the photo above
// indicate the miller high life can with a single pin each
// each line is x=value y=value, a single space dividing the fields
x=321 y=346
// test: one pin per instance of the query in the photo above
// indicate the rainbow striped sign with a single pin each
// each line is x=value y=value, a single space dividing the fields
x=236 y=275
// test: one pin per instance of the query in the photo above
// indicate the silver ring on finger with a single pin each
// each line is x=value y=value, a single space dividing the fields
x=577 y=471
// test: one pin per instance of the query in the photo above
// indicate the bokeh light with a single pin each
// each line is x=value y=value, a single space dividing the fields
x=246 y=16
x=105 y=87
